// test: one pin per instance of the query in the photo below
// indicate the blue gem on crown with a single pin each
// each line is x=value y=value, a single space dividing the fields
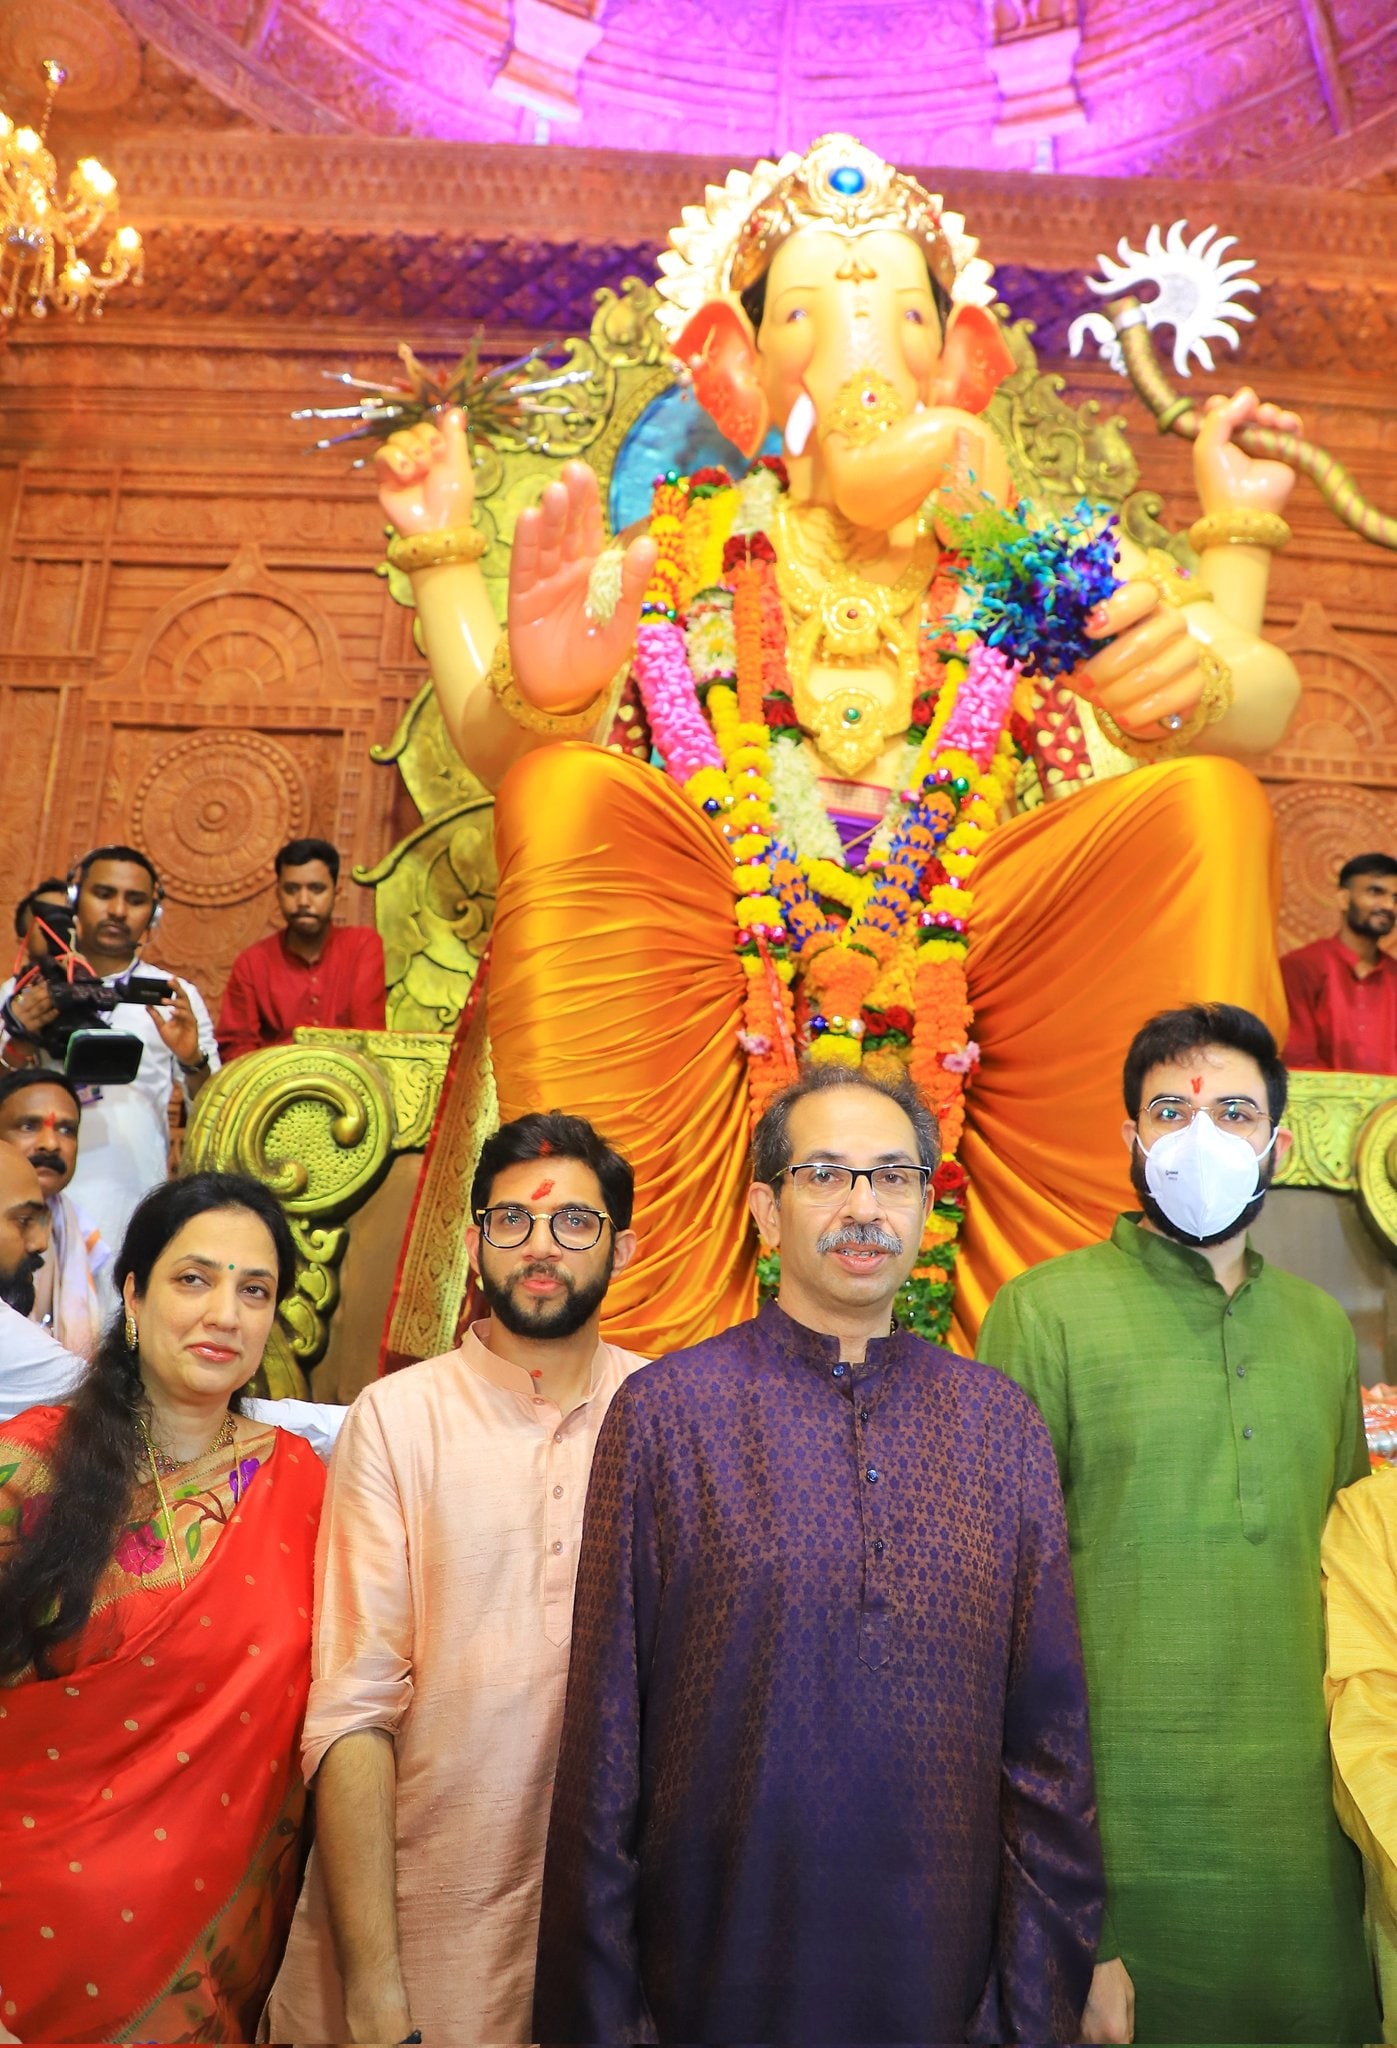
x=848 y=180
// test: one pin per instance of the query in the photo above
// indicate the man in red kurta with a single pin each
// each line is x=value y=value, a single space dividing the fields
x=314 y=972
x=1342 y=992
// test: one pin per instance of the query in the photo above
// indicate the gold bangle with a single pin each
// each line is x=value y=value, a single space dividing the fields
x=500 y=681
x=409 y=551
x=1239 y=528
x=1215 y=702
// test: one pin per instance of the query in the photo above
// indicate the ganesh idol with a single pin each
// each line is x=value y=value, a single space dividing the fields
x=813 y=850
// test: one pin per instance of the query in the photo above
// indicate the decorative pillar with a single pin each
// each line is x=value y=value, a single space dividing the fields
x=1032 y=51
x=552 y=39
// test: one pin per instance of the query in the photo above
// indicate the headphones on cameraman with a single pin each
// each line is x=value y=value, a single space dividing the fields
x=126 y=853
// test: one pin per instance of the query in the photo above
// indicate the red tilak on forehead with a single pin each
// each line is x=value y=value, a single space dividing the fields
x=51 y=1121
x=545 y=1187
x=1198 y=1084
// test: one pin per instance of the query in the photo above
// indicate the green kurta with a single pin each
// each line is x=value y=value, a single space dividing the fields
x=1200 y=1441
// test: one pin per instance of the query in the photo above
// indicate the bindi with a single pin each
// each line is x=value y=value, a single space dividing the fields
x=1198 y=1084
x=545 y=1187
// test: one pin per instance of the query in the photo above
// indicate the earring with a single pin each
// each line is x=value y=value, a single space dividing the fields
x=131 y=1332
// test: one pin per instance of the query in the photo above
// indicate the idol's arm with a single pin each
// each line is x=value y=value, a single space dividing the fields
x=563 y=656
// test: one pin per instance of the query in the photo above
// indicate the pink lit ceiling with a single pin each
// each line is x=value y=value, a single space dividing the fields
x=1298 y=90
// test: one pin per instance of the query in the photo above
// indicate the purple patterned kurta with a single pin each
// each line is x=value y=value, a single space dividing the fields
x=825 y=1770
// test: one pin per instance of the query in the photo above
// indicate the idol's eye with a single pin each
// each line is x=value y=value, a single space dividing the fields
x=796 y=313
x=916 y=316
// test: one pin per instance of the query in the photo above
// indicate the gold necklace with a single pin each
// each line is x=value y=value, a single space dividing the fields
x=842 y=618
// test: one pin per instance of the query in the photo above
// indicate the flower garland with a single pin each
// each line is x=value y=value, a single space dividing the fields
x=863 y=966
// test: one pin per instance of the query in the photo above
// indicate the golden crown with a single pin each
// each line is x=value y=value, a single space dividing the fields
x=726 y=244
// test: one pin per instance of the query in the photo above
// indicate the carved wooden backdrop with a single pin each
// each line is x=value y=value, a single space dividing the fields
x=195 y=652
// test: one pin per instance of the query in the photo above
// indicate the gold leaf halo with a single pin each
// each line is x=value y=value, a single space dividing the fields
x=720 y=246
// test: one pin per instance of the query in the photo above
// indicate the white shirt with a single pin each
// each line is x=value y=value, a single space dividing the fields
x=35 y=1371
x=124 y=1149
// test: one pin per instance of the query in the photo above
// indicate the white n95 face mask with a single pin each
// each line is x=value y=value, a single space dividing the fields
x=1203 y=1178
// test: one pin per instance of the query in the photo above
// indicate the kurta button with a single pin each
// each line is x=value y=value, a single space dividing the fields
x=557 y=1550
x=878 y=1546
x=863 y=1415
x=871 y=1475
x=557 y=1436
x=1246 y=1432
x=557 y=1493
x=1241 y=1372
x=840 y=1370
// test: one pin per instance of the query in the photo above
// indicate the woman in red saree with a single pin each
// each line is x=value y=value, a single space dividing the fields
x=156 y=1554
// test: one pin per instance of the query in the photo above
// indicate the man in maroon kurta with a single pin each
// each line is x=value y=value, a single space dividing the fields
x=1342 y=992
x=313 y=972
x=825 y=1771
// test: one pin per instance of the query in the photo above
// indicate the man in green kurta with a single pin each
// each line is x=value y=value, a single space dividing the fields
x=1205 y=1409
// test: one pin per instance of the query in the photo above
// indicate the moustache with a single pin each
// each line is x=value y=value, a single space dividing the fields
x=858 y=1237
x=541 y=1269
x=54 y=1161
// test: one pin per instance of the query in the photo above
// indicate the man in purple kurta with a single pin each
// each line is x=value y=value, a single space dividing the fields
x=825 y=1770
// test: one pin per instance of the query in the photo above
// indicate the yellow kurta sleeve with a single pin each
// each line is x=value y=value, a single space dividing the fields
x=1359 y=1558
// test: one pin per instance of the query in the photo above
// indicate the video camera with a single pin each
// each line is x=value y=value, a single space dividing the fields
x=79 y=1037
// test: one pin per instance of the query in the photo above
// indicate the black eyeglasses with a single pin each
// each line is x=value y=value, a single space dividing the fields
x=510 y=1225
x=822 y=1181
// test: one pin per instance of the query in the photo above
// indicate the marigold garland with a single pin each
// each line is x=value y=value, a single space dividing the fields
x=864 y=967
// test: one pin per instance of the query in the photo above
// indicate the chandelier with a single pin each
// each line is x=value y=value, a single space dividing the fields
x=43 y=236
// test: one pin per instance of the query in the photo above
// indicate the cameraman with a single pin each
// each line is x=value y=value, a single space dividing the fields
x=125 y=1128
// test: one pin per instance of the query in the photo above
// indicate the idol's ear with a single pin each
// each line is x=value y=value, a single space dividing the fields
x=975 y=359
x=719 y=350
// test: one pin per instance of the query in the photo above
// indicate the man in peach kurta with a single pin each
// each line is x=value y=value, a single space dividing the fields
x=448 y=1552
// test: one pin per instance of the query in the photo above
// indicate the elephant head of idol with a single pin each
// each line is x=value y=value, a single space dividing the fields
x=832 y=297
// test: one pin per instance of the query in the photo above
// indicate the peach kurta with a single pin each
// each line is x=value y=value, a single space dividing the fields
x=447 y=1558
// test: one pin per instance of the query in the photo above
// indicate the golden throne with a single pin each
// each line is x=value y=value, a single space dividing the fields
x=339 y=1122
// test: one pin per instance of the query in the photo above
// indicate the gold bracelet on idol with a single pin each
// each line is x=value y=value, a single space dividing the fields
x=1215 y=702
x=500 y=681
x=1239 y=528
x=410 y=551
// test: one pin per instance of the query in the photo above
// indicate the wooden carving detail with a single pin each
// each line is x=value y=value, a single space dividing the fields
x=1333 y=782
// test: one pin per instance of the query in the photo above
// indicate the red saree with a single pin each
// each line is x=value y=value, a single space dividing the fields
x=151 y=1797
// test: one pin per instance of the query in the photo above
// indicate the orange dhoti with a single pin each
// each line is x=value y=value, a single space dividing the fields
x=615 y=993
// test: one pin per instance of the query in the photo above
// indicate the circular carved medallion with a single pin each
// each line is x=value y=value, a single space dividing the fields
x=88 y=38
x=213 y=808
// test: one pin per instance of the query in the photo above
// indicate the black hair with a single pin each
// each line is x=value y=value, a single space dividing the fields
x=38 y=1077
x=1174 y=1034
x=771 y=1144
x=24 y=909
x=132 y=854
x=753 y=301
x=50 y=1574
x=297 y=852
x=1366 y=864
x=552 y=1134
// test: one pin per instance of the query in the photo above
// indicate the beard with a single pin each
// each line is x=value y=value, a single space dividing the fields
x=563 y=1317
x=1243 y=1220
x=17 y=1287
x=1369 y=924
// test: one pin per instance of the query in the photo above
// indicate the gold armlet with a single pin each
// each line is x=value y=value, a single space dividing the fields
x=1240 y=528
x=1215 y=703
x=409 y=551
x=500 y=681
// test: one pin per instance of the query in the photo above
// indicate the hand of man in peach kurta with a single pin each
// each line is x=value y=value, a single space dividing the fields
x=1149 y=672
x=563 y=654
